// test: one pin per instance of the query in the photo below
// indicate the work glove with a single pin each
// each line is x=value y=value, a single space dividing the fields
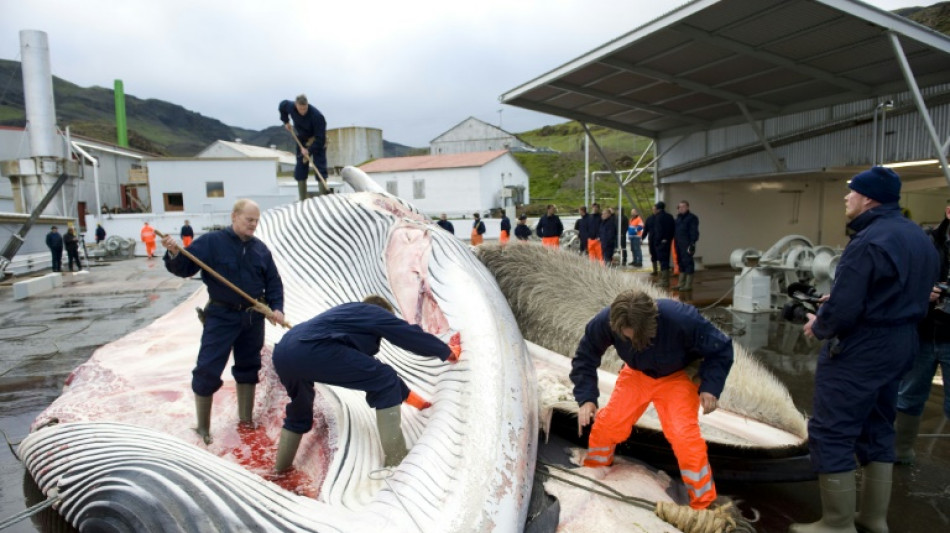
x=417 y=401
x=691 y=249
x=455 y=344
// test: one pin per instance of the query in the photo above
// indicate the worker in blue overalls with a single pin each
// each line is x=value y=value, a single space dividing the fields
x=337 y=347
x=229 y=322
x=869 y=319
x=310 y=127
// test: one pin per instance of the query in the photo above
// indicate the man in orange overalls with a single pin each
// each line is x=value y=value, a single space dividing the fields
x=148 y=237
x=657 y=340
x=550 y=228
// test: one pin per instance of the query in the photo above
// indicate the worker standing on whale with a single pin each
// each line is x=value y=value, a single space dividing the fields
x=229 y=321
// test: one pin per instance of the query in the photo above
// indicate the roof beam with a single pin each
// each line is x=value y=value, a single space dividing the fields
x=630 y=104
x=687 y=84
x=583 y=117
x=775 y=59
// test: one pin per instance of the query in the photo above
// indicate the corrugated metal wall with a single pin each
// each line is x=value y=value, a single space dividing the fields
x=905 y=139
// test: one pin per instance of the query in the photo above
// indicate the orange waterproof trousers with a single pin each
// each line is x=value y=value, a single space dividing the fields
x=594 y=252
x=503 y=237
x=476 y=238
x=185 y=241
x=676 y=399
x=551 y=242
x=150 y=247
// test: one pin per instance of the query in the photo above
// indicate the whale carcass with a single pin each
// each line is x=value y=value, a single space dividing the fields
x=117 y=452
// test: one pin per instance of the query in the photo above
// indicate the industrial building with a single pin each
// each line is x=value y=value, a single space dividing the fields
x=473 y=135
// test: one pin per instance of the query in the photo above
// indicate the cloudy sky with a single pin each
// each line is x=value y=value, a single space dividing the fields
x=413 y=68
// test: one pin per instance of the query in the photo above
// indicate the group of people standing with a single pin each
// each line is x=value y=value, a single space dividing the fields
x=598 y=235
x=56 y=242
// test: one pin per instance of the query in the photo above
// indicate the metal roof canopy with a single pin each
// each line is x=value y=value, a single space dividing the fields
x=714 y=63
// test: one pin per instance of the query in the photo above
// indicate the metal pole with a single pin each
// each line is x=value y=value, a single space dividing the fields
x=587 y=169
x=919 y=100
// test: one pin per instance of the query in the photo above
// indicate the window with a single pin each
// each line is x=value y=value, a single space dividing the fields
x=174 y=201
x=215 y=189
x=392 y=187
x=418 y=189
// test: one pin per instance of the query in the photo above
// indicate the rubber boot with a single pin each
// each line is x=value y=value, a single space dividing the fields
x=665 y=278
x=623 y=257
x=837 y=505
x=245 y=402
x=656 y=270
x=302 y=189
x=389 y=423
x=686 y=283
x=906 y=428
x=287 y=449
x=875 y=497
x=203 y=409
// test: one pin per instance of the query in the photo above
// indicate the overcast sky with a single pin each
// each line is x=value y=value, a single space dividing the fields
x=413 y=68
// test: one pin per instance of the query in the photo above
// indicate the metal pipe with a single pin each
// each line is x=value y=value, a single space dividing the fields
x=121 y=132
x=95 y=175
x=38 y=94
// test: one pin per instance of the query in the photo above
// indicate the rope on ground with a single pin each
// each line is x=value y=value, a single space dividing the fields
x=723 y=297
x=384 y=474
x=725 y=518
x=10 y=445
x=23 y=515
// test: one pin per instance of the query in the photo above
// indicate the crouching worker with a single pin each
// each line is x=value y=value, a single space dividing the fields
x=337 y=347
x=657 y=340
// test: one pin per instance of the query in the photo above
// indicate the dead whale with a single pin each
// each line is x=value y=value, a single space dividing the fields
x=117 y=452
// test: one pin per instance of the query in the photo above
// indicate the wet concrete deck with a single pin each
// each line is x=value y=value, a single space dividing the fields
x=46 y=336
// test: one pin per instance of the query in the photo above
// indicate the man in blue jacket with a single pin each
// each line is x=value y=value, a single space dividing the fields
x=662 y=234
x=881 y=291
x=229 y=321
x=550 y=228
x=54 y=241
x=685 y=236
x=608 y=235
x=311 y=129
x=337 y=347
x=657 y=340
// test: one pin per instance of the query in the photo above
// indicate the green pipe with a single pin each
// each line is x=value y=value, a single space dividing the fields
x=122 y=136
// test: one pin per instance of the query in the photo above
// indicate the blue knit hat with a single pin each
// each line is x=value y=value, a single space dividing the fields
x=878 y=183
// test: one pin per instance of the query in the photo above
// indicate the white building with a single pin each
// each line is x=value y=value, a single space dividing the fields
x=457 y=184
x=473 y=135
x=231 y=149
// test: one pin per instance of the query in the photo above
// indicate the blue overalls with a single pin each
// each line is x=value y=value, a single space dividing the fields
x=336 y=347
x=228 y=321
x=881 y=291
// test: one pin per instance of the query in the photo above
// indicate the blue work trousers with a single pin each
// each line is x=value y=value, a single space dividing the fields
x=319 y=158
x=663 y=254
x=226 y=328
x=917 y=383
x=856 y=397
x=300 y=364
x=57 y=259
x=635 y=247
x=684 y=259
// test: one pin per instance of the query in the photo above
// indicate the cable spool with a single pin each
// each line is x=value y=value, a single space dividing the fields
x=127 y=243
x=744 y=257
x=112 y=243
x=825 y=263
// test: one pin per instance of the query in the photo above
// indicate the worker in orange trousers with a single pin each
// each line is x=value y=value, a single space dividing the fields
x=148 y=237
x=657 y=340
